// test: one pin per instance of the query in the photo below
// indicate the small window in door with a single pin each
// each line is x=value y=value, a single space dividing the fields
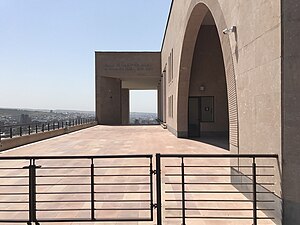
x=207 y=109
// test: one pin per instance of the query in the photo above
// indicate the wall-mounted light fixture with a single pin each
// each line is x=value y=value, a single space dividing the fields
x=229 y=30
x=202 y=88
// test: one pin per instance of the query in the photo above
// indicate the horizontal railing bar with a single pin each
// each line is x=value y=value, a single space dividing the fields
x=96 y=220
x=84 y=167
x=14 y=210
x=121 y=175
x=14 y=202
x=208 y=183
x=218 y=200
x=58 y=210
x=191 y=166
x=99 y=192
x=218 y=175
x=219 y=218
x=61 y=193
x=62 y=184
x=12 y=177
x=123 y=209
x=11 y=168
x=121 y=184
x=219 y=192
x=122 y=192
x=219 y=156
x=123 y=200
x=74 y=157
x=12 y=193
x=65 y=167
x=14 y=185
x=13 y=221
x=117 y=167
x=217 y=209
x=80 y=175
x=62 y=201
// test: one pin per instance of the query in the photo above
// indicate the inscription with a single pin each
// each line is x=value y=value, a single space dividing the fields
x=132 y=67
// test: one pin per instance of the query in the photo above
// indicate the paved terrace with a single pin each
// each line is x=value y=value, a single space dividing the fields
x=116 y=140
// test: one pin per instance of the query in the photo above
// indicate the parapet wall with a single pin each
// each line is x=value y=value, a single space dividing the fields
x=23 y=140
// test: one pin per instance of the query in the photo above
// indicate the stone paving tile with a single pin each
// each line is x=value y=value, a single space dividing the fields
x=119 y=140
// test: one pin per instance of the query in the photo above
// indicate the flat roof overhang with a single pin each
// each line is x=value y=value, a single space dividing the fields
x=136 y=70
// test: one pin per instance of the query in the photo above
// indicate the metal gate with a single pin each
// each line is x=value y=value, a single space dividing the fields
x=212 y=187
x=119 y=188
x=76 y=189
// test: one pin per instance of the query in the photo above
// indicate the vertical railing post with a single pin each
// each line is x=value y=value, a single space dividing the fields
x=43 y=127
x=92 y=190
x=32 y=190
x=151 y=187
x=254 y=192
x=158 y=189
x=183 y=191
x=36 y=128
x=29 y=130
x=48 y=127
x=10 y=132
x=20 y=131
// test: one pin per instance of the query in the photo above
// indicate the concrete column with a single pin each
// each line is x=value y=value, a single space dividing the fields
x=159 y=102
x=164 y=96
x=290 y=112
x=125 y=106
x=108 y=101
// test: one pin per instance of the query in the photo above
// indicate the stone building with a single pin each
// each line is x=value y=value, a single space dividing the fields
x=227 y=68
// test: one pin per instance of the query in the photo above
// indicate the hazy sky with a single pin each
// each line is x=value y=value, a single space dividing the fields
x=47 y=48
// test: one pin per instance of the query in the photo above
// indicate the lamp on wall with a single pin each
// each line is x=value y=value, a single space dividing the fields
x=202 y=88
x=229 y=30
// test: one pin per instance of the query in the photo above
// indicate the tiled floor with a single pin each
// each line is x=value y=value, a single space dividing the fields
x=120 y=140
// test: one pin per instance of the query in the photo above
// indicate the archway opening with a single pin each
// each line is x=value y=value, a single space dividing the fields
x=208 y=117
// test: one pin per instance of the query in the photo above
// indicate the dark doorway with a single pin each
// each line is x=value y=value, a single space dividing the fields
x=201 y=110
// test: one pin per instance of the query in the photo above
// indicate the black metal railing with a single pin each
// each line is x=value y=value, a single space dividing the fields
x=119 y=188
x=76 y=189
x=18 y=130
x=215 y=187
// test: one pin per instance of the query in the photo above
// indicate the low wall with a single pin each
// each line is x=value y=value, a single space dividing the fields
x=6 y=144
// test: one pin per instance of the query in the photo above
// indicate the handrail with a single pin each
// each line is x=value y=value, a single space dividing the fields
x=74 y=157
x=219 y=155
x=18 y=130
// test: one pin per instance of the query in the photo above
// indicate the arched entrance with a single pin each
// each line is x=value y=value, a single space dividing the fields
x=207 y=99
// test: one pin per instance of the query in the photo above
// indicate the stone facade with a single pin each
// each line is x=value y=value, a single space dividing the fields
x=252 y=73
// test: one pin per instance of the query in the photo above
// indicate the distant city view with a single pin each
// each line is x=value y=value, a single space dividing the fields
x=143 y=118
x=27 y=116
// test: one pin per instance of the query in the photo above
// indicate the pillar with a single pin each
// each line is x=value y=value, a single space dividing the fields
x=125 y=106
x=108 y=101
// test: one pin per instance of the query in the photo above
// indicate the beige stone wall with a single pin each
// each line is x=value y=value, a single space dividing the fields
x=255 y=50
x=252 y=58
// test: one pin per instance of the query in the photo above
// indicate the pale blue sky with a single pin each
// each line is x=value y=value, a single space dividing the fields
x=47 y=48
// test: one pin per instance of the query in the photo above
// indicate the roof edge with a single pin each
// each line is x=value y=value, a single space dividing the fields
x=167 y=25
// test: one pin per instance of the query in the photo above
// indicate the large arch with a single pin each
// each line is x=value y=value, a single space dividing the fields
x=196 y=13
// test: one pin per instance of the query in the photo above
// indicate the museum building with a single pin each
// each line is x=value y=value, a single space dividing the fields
x=226 y=69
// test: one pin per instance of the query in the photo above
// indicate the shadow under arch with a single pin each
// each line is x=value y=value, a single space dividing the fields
x=196 y=14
